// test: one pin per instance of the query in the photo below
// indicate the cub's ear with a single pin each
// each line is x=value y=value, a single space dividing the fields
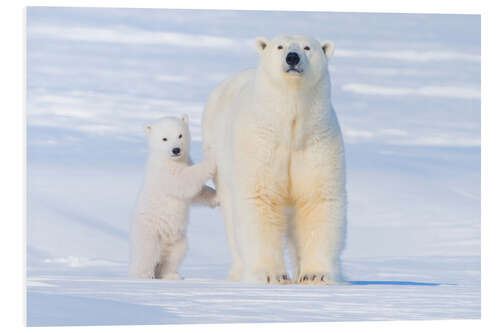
x=185 y=119
x=147 y=129
x=328 y=47
x=261 y=43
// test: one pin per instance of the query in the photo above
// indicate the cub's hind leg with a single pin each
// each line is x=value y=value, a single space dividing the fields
x=171 y=258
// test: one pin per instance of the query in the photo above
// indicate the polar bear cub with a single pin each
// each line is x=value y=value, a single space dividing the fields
x=171 y=185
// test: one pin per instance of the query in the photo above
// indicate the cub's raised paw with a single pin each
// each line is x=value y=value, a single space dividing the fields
x=214 y=202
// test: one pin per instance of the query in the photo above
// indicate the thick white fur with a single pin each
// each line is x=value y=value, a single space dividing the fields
x=280 y=165
x=171 y=184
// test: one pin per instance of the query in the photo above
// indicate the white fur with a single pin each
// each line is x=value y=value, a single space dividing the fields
x=171 y=184
x=280 y=165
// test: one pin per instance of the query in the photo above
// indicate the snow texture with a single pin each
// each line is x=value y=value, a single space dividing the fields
x=406 y=89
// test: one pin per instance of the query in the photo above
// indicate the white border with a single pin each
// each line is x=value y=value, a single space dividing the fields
x=12 y=150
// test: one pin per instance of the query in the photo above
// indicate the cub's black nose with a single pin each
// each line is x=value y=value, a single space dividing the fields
x=176 y=151
x=292 y=58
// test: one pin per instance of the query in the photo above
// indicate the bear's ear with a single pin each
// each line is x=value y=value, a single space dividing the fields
x=185 y=119
x=328 y=47
x=147 y=129
x=261 y=43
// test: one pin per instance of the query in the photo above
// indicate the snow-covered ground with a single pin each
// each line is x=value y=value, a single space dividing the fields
x=405 y=87
x=96 y=293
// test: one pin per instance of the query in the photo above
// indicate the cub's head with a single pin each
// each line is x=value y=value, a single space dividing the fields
x=294 y=58
x=170 y=136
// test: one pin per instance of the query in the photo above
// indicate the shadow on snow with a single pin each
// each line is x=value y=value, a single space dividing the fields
x=395 y=283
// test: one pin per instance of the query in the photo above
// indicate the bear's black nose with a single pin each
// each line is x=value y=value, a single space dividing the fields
x=176 y=151
x=292 y=58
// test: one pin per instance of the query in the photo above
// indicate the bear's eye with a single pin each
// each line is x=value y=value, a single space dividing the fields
x=307 y=48
x=180 y=136
x=280 y=47
x=164 y=139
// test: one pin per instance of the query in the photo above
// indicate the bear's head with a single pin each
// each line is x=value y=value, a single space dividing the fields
x=294 y=58
x=170 y=136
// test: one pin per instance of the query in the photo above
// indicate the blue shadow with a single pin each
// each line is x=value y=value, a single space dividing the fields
x=393 y=283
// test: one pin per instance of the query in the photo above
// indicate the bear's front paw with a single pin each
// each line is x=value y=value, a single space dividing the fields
x=272 y=278
x=281 y=278
x=315 y=278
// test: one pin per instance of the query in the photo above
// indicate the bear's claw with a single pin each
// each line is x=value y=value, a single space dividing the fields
x=311 y=278
x=281 y=278
x=284 y=279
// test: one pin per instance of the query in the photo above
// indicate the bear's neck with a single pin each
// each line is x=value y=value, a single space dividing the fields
x=293 y=110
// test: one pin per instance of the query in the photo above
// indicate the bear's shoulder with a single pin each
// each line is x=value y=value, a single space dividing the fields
x=235 y=83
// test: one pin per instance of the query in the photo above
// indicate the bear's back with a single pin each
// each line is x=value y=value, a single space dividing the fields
x=220 y=102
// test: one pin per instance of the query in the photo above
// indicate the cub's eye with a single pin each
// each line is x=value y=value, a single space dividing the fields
x=280 y=47
x=307 y=48
x=180 y=136
x=164 y=139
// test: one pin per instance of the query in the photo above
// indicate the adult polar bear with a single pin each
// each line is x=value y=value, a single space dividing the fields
x=277 y=144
